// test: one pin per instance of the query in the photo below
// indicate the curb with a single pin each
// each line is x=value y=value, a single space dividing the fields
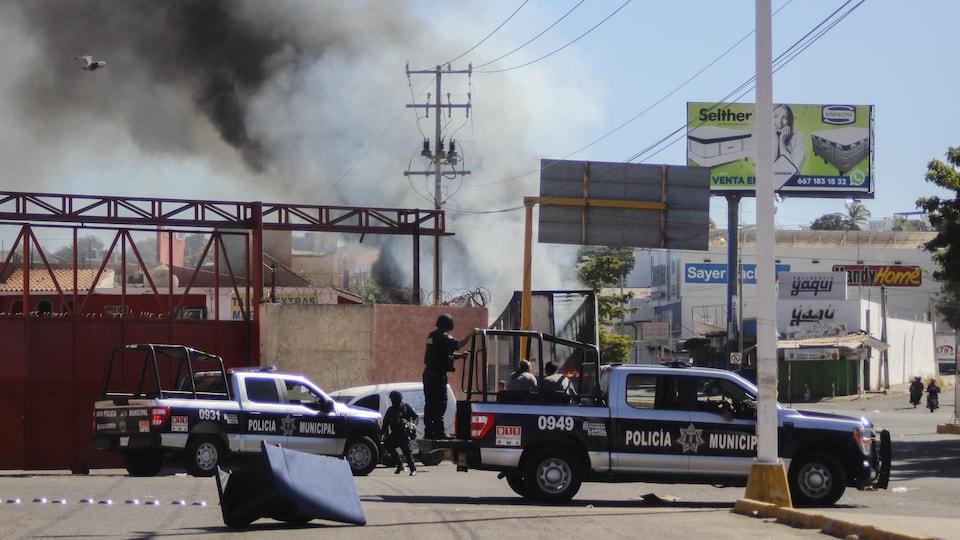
x=803 y=519
x=952 y=429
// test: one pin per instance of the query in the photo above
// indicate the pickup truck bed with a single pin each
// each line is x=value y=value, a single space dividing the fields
x=173 y=402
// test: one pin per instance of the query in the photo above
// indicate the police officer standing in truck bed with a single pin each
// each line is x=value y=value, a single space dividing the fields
x=438 y=361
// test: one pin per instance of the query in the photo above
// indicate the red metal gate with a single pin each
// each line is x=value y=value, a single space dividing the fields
x=50 y=376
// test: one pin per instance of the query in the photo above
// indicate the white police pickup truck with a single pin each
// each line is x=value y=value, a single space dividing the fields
x=648 y=423
x=171 y=401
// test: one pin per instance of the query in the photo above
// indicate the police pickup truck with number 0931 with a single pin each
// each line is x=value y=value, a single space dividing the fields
x=171 y=401
x=649 y=423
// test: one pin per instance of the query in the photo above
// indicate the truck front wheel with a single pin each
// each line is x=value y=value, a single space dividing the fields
x=816 y=479
x=362 y=455
x=202 y=455
x=552 y=475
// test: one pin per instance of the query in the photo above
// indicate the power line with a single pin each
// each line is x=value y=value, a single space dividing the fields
x=740 y=91
x=661 y=100
x=488 y=35
x=594 y=27
x=747 y=86
x=352 y=165
x=534 y=38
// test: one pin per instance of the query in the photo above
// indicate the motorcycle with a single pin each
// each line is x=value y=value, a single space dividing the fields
x=915 y=397
x=933 y=402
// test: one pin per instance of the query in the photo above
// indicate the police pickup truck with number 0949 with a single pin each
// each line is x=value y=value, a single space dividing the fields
x=649 y=423
x=171 y=401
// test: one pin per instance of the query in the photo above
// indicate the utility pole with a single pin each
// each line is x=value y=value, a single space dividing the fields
x=443 y=156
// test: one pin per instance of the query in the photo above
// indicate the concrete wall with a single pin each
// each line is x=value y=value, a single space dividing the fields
x=340 y=346
x=330 y=344
x=401 y=336
x=912 y=350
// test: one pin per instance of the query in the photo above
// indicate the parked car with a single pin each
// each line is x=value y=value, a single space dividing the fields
x=376 y=398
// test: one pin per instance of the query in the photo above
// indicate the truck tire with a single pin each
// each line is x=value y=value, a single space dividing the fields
x=431 y=458
x=816 y=479
x=515 y=481
x=143 y=463
x=362 y=454
x=552 y=475
x=203 y=455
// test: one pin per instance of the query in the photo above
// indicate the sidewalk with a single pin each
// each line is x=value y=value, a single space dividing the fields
x=839 y=525
x=946 y=384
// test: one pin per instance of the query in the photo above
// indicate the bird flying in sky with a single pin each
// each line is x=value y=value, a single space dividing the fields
x=89 y=63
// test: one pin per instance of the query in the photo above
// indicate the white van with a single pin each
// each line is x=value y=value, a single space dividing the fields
x=376 y=398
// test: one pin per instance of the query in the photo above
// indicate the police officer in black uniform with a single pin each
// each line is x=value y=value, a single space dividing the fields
x=394 y=432
x=438 y=361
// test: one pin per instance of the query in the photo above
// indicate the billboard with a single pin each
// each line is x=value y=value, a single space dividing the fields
x=803 y=319
x=813 y=285
x=623 y=204
x=820 y=353
x=819 y=150
x=876 y=275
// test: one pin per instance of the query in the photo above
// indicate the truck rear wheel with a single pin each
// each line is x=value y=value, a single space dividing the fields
x=816 y=479
x=144 y=463
x=552 y=475
x=203 y=455
x=431 y=458
x=362 y=455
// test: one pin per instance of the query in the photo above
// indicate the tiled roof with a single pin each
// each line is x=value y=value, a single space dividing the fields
x=40 y=280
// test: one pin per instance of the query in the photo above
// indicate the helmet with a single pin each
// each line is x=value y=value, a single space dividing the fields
x=445 y=322
x=396 y=396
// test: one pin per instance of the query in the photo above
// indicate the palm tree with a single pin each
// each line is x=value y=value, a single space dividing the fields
x=858 y=217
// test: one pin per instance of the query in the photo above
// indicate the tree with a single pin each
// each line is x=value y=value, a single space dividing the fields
x=192 y=247
x=944 y=216
x=903 y=224
x=605 y=267
x=858 y=217
x=90 y=247
x=830 y=222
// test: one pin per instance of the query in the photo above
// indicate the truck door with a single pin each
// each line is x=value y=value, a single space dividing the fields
x=263 y=416
x=726 y=414
x=317 y=428
x=649 y=424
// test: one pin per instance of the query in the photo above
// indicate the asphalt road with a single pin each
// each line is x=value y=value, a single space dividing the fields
x=443 y=503
x=924 y=485
x=439 y=503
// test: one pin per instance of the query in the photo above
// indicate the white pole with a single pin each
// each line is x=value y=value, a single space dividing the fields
x=768 y=477
x=766 y=285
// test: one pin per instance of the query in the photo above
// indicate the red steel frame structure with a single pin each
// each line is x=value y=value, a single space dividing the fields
x=51 y=371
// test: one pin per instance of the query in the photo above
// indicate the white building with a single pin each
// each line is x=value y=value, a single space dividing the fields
x=689 y=290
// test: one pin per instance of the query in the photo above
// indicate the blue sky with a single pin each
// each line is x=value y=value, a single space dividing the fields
x=884 y=53
x=320 y=92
